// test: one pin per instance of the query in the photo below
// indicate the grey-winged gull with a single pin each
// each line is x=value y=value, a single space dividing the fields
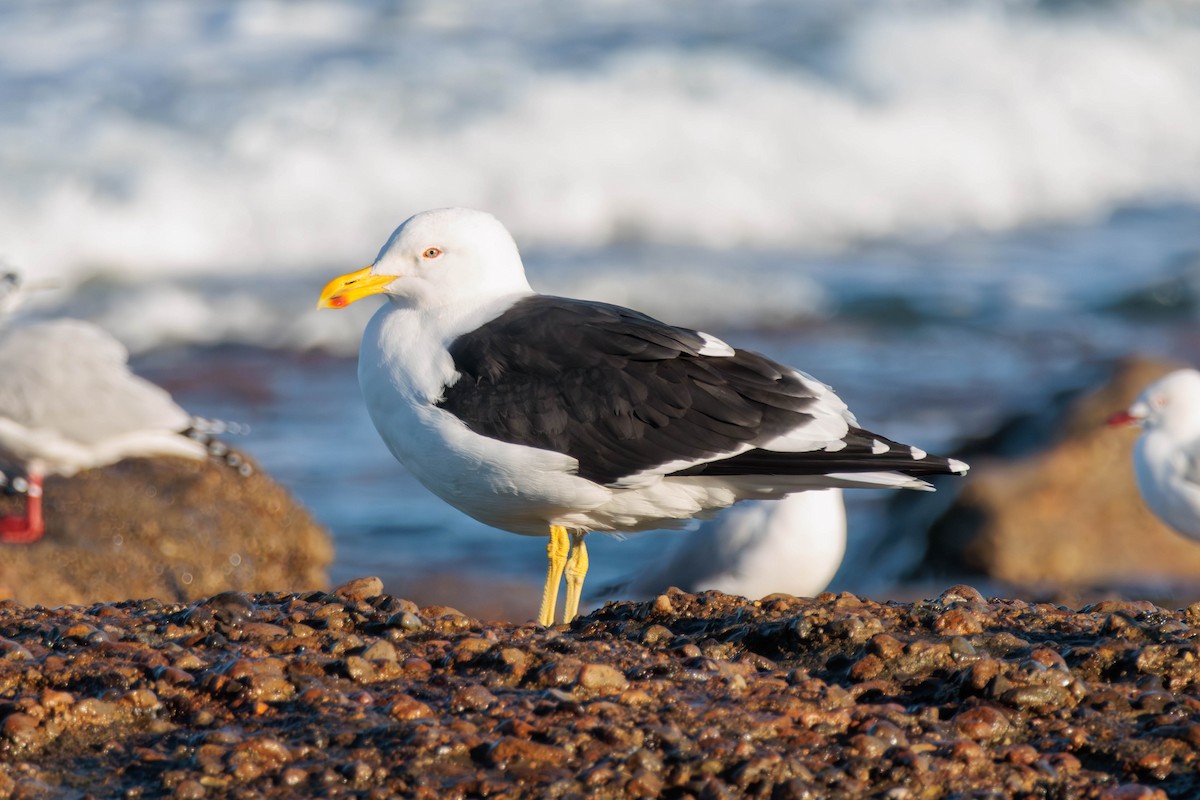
x=1166 y=458
x=537 y=414
x=69 y=402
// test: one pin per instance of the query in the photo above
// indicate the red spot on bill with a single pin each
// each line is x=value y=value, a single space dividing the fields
x=337 y=301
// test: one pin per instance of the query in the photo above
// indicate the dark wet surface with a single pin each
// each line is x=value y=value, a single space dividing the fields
x=359 y=694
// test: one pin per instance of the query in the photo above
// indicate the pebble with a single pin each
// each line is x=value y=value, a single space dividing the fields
x=512 y=753
x=404 y=707
x=381 y=650
x=982 y=723
x=602 y=678
x=360 y=589
x=407 y=621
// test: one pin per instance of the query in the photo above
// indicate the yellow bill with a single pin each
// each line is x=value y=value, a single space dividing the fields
x=345 y=289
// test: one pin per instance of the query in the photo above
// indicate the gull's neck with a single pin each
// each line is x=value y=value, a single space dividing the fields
x=413 y=341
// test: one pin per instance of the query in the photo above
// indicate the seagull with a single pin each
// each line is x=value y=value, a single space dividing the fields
x=756 y=548
x=544 y=415
x=1166 y=458
x=69 y=402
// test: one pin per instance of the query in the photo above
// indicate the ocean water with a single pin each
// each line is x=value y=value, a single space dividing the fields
x=946 y=210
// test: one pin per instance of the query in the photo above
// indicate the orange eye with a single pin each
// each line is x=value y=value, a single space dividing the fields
x=432 y=252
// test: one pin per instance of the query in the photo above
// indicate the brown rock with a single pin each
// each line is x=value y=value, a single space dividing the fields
x=983 y=723
x=512 y=752
x=957 y=622
x=168 y=528
x=602 y=678
x=18 y=728
x=1069 y=514
x=360 y=589
x=405 y=708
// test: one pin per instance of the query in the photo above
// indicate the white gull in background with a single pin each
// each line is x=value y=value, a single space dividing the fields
x=68 y=402
x=1166 y=458
x=789 y=546
x=539 y=414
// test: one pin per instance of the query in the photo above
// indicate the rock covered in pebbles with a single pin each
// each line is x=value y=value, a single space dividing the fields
x=256 y=695
x=168 y=528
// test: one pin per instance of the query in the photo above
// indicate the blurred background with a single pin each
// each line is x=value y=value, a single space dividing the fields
x=949 y=211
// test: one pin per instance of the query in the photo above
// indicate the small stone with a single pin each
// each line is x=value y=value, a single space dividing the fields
x=1039 y=698
x=141 y=699
x=406 y=621
x=563 y=672
x=407 y=708
x=514 y=658
x=656 y=634
x=885 y=646
x=53 y=699
x=961 y=648
x=13 y=651
x=957 y=622
x=867 y=668
x=470 y=648
x=229 y=608
x=982 y=723
x=644 y=784
x=381 y=650
x=293 y=776
x=358 y=669
x=357 y=772
x=95 y=711
x=602 y=678
x=263 y=630
x=190 y=790
x=473 y=698
x=961 y=593
x=663 y=605
x=360 y=589
x=509 y=752
x=173 y=676
x=18 y=728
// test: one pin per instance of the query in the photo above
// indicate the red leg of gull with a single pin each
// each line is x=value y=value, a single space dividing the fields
x=29 y=526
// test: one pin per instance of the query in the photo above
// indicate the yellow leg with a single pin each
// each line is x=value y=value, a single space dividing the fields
x=577 y=567
x=556 y=552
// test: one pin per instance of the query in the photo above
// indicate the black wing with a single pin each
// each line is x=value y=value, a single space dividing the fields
x=618 y=391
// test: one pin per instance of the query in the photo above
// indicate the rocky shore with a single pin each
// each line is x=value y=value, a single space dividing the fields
x=359 y=694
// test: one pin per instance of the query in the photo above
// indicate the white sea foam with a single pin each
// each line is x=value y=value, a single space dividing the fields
x=146 y=141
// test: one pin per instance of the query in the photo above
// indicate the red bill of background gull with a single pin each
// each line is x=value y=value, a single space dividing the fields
x=789 y=546
x=1166 y=458
x=68 y=402
x=538 y=414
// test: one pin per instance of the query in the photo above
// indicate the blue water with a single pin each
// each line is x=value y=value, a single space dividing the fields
x=947 y=211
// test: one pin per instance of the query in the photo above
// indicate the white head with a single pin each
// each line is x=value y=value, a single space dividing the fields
x=447 y=256
x=1172 y=404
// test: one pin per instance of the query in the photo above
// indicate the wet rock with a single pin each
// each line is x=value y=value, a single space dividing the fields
x=473 y=698
x=406 y=708
x=18 y=728
x=725 y=699
x=380 y=651
x=360 y=589
x=602 y=678
x=168 y=528
x=513 y=753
